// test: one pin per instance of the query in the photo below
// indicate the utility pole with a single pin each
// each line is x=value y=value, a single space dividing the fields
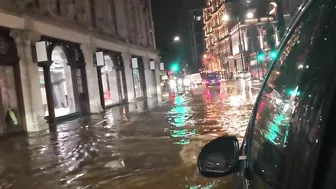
x=280 y=18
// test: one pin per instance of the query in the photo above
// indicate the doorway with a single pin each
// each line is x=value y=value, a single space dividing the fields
x=63 y=82
x=8 y=100
x=11 y=103
x=61 y=85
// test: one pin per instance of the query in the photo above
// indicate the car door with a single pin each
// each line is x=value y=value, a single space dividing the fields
x=292 y=102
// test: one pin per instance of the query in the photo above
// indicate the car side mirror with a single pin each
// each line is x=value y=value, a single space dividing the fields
x=270 y=164
x=220 y=157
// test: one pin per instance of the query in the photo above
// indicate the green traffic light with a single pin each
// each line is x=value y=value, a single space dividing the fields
x=294 y=93
x=261 y=57
x=273 y=54
x=175 y=67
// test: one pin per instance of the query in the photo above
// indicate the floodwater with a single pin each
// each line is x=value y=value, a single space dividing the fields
x=140 y=146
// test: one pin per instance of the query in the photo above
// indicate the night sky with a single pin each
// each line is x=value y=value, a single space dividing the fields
x=170 y=19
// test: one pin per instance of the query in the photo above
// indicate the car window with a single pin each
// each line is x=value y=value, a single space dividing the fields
x=212 y=76
x=288 y=79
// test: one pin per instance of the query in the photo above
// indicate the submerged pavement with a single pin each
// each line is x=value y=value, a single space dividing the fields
x=140 y=146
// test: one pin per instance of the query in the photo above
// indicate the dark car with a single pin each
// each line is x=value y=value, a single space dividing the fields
x=290 y=139
x=212 y=79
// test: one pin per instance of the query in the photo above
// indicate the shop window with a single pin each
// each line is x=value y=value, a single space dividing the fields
x=110 y=82
x=122 y=84
x=43 y=92
x=79 y=81
x=137 y=83
x=62 y=86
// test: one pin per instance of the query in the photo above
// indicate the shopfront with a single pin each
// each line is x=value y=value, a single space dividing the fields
x=138 y=73
x=111 y=79
x=63 y=81
x=11 y=104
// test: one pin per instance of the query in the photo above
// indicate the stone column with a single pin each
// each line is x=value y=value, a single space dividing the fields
x=92 y=79
x=33 y=107
x=152 y=34
x=126 y=56
x=158 y=80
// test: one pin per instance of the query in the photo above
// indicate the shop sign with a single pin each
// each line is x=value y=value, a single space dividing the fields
x=161 y=66
x=134 y=63
x=41 y=51
x=152 y=65
x=100 y=59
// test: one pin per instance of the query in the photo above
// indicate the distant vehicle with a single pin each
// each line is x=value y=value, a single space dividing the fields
x=212 y=79
x=195 y=79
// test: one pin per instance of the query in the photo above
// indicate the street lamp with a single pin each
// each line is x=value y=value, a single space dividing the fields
x=176 y=39
x=250 y=15
x=226 y=17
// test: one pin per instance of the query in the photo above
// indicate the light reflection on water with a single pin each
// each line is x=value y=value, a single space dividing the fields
x=123 y=149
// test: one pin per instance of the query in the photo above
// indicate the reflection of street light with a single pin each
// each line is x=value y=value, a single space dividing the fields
x=249 y=15
x=176 y=39
x=205 y=56
x=225 y=17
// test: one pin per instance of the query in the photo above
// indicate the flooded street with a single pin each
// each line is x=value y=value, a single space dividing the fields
x=140 y=146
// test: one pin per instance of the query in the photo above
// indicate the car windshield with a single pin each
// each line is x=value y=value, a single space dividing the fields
x=212 y=76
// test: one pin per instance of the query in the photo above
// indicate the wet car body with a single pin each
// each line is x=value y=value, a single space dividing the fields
x=212 y=79
x=289 y=141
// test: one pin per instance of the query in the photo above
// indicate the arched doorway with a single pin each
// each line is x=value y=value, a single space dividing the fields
x=111 y=81
x=63 y=82
x=10 y=86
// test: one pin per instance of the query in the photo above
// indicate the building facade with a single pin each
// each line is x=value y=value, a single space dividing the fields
x=217 y=35
x=236 y=30
x=63 y=58
x=197 y=36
